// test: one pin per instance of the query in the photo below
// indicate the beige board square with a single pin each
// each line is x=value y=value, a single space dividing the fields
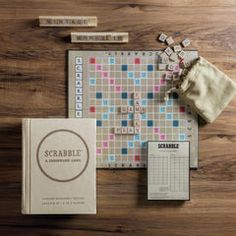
x=162 y=66
x=131 y=68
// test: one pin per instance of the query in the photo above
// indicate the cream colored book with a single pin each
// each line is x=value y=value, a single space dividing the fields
x=59 y=166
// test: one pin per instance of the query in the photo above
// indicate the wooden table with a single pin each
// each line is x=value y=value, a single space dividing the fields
x=33 y=83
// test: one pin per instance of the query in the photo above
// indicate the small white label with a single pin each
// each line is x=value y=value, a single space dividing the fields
x=79 y=83
x=78 y=60
x=78 y=75
x=78 y=68
x=79 y=98
x=78 y=114
x=79 y=91
x=78 y=106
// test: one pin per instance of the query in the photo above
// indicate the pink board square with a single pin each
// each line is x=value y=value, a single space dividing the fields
x=162 y=82
x=99 y=151
x=156 y=130
x=111 y=81
x=162 y=137
x=105 y=74
x=111 y=136
x=98 y=67
x=105 y=144
x=118 y=88
x=156 y=88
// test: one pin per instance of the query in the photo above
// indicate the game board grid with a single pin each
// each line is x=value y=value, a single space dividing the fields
x=100 y=110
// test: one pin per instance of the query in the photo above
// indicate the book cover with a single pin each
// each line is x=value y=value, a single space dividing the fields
x=59 y=166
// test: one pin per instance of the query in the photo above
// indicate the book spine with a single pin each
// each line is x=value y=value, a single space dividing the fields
x=25 y=207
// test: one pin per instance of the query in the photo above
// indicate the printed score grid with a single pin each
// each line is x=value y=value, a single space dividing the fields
x=162 y=166
x=102 y=83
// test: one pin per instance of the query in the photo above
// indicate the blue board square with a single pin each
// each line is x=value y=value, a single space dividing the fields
x=112 y=109
x=124 y=123
x=98 y=95
x=124 y=95
x=105 y=102
x=150 y=123
x=130 y=144
x=182 y=136
x=105 y=116
x=130 y=116
x=130 y=102
x=162 y=109
x=150 y=95
x=144 y=116
x=112 y=60
x=124 y=67
x=150 y=67
x=143 y=144
x=99 y=123
x=168 y=116
x=124 y=151
x=130 y=74
x=111 y=158
x=92 y=81
x=137 y=82
x=169 y=102
x=175 y=123
x=144 y=102
x=143 y=75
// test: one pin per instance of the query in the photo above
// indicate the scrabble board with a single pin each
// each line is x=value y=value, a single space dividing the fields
x=124 y=91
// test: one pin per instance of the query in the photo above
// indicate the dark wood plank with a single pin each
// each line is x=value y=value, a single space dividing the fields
x=33 y=83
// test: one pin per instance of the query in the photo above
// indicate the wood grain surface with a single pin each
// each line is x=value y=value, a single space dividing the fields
x=33 y=83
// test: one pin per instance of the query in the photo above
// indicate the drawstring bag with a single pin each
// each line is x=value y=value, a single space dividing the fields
x=206 y=89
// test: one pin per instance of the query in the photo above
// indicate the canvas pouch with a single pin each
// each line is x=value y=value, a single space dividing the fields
x=206 y=89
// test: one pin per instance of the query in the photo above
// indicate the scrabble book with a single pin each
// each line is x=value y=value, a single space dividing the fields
x=124 y=91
